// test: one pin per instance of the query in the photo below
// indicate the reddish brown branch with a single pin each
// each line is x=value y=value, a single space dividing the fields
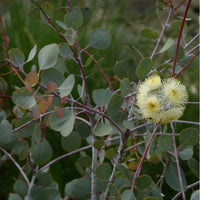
x=179 y=5
x=179 y=38
x=187 y=65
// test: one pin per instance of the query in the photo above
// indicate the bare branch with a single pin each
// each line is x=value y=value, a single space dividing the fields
x=177 y=162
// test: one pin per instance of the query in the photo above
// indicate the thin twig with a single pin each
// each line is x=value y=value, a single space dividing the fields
x=31 y=121
x=192 y=50
x=188 y=187
x=177 y=162
x=179 y=37
x=16 y=164
x=137 y=173
x=63 y=156
x=191 y=41
x=162 y=33
x=133 y=146
x=187 y=122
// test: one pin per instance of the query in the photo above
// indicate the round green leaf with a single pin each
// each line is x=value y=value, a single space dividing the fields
x=189 y=137
x=124 y=171
x=114 y=105
x=101 y=96
x=186 y=153
x=103 y=129
x=53 y=75
x=143 y=182
x=86 y=13
x=47 y=56
x=44 y=179
x=39 y=193
x=20 y=187
x=78 y=188
x=71 y=142
x=172 y=179
x=13 y=196
x=194 y=166
x=99 y=39
x=42 y=153
x=74 y=19
x=84 y=161
x=103 y=171
x=23 y=98
x=195 y=195
x=83 y=129
x=143 y=68
x=128 y=195
x=53 y=194
x=126 y=69
x=125 y=87
x=5 y=133
x=67 y=86
x=165 y=143
x=110 y=153
x=64 y=124
x=17 y=57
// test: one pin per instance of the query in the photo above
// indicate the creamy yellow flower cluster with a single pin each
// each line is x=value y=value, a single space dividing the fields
x=161 y=101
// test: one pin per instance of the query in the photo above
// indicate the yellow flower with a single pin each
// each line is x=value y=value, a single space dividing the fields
x=161 y=101
x=174 y=92
x=143 y=92
x=171 y=114
x=154 y=82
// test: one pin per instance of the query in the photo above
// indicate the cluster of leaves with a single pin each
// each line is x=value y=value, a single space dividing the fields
x=53 y=98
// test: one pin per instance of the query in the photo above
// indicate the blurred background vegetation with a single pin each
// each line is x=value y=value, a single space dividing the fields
x=123 y=20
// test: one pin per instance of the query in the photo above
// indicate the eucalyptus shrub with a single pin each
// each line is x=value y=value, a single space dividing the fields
x=125 y=135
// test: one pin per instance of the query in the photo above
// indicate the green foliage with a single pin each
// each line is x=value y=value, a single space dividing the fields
x=70 y=126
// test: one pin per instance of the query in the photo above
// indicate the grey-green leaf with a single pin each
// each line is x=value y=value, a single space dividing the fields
x=189 y=137
x=114 y=105
x=64 y=124
x=195 y=195
x=5 y=134
x=67 y=86
x=74 y=19
x=126 y=69
x=71 y=142
x=20 y=187
x=103 y=171
x=17 y=57
x=103 y=129
x=23 y=98
x=186 y=153
x=42 y=153
x=101 y=96
x=99 y=39
x=13 y=196
x=47 y=56
x=172 y=178
x=165 y=143
x=78 y=188
x=143 y=68
x=128 y=195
